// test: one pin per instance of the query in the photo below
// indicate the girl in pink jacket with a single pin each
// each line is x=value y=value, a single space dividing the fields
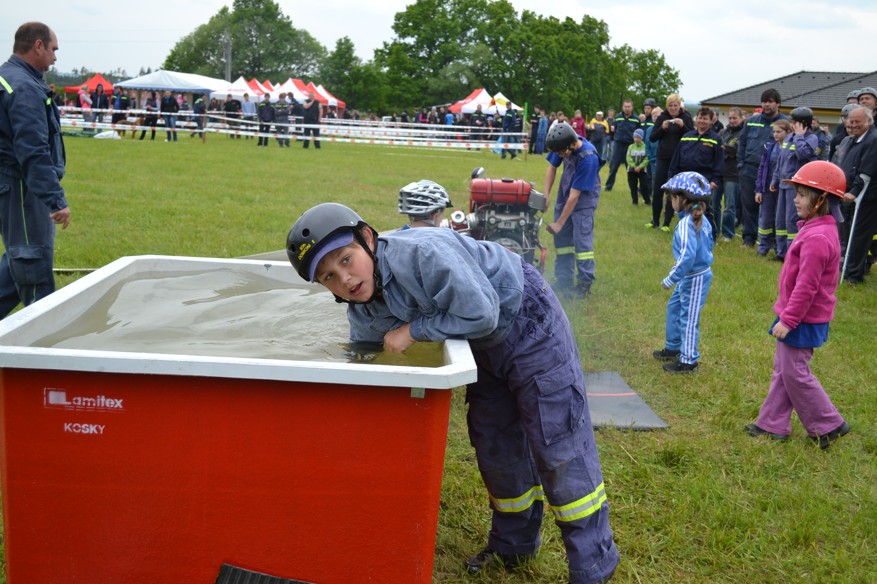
x=804 y=308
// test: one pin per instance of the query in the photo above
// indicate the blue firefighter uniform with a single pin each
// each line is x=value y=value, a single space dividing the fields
x=574 y=243
x=32 y=163
x=795 y=151
x=700 y=153
x=692 y=276
x=756 y=133
x=625 y=126
x=528 y=414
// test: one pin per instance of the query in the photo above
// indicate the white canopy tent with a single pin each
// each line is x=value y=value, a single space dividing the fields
x=174 y=81
x=290 y=88
x=236 y=90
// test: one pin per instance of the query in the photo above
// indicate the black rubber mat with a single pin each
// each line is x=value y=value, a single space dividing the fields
x=614 y=404
x=234 y=575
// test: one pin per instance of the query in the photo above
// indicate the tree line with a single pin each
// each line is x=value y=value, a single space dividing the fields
x=441 y=50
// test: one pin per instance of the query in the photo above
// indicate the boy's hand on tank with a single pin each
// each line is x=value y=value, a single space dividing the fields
x=397 y=340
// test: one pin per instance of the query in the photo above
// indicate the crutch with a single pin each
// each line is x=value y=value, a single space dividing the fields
x=865 y=179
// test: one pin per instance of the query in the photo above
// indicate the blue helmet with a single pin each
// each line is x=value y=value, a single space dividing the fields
x=692 y=184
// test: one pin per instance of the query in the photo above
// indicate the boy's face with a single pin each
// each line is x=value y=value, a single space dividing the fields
x=349 y=271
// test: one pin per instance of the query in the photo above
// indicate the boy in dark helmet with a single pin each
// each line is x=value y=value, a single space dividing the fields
x=577 y=198
x=528 y=414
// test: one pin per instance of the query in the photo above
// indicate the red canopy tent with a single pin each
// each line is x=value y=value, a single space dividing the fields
x=256 y=86
x=93 y=82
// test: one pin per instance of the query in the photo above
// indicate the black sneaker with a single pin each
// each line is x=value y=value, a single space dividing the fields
x=487 y=557
x=583 y=290
x=825 y=440
x=666 y=355
x=754 y=430
x=678 y=366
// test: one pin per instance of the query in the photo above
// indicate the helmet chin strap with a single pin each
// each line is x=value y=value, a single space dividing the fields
x=379 y=286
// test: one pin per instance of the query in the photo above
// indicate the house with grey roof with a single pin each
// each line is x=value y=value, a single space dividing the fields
x=823 y=92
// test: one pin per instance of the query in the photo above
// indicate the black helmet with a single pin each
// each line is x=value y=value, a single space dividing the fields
x=560 y=137
x=650 y=101
x=315 y=227
x=803 y=115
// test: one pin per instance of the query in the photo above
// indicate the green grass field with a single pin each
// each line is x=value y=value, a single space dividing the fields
x=699 y=502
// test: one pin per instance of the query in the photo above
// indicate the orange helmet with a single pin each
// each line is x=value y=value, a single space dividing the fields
x=821 y=176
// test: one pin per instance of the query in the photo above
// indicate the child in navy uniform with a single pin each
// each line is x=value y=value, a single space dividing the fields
x=804 y=308
x=689 y=192
x=528 y=413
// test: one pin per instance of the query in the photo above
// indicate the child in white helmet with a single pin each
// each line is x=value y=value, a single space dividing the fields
x=424 y=202
x=689 y=192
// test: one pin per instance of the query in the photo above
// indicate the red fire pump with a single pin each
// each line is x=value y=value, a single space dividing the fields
x=507 y=211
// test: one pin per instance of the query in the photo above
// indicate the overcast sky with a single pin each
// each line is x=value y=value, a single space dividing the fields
x=715 y=49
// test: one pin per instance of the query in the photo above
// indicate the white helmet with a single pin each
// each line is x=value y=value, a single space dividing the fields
x=423 y=198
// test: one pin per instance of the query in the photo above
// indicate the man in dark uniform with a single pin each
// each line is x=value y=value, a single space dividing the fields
x=626 y=123
x=535 y=116
x=32 y=163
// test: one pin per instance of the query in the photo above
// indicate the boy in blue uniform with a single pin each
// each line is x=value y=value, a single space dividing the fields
x=574 y=209
x=528 y=413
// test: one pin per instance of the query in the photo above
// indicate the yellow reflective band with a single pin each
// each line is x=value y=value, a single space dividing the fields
x=585 y=506
x=585 y=255
x=755 y=125
x=782 y=233
x=875 y=237
x=565 y=250
x=5 y=85
x=791 y=236
x=518 y=504
x=48 y=101
x=764 y=231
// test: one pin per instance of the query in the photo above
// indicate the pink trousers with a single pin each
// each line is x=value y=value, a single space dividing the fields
x=794 y=387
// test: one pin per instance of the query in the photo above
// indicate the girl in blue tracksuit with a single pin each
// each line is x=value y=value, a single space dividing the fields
x=689 y=193
x=528 y=414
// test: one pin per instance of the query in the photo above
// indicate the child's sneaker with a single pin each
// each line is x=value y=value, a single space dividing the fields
x=665 y=229
x=825 y=440
x=756 y=431
x=666 y=355
x=680 y=367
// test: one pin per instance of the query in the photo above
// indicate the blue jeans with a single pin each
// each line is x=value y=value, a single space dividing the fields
x=726 y=215
x=171 y=122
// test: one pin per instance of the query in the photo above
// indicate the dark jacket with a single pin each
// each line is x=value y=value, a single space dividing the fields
x=31 y=147
x=169 y=104
x=698 y=153
x=861 y=158
x=669 y=138
x=756 y=133
x=730 y=140
x=100 y=100
x=266 y=112
x=625 y=127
